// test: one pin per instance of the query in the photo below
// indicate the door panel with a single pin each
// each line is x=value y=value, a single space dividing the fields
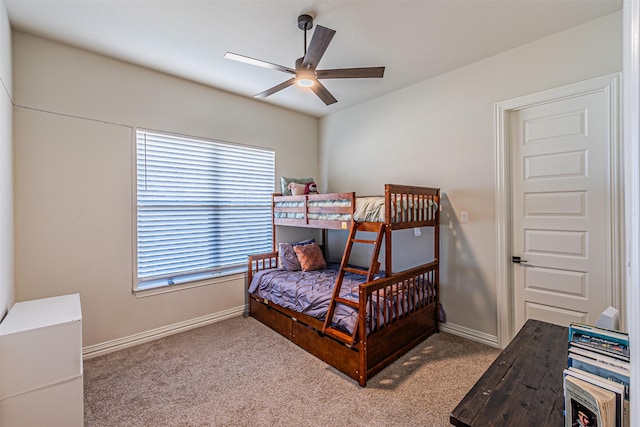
x=555 y=243
x=555 y=280
x=557 y=165
x=559 y=208
x=555 y=126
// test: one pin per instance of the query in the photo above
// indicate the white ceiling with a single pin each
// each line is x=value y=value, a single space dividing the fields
x=415 y=40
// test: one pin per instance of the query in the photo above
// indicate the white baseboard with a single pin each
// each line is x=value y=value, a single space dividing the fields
x=154 y=334
x=142 y=337
x=470 y=334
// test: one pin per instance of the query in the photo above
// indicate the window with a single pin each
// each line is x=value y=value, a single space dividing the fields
x=202 y=207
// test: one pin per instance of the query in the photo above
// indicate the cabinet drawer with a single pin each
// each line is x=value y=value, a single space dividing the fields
x=41 y=344
x=59 y=405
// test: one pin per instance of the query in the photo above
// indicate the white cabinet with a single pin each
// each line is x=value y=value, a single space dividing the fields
x=41 y=363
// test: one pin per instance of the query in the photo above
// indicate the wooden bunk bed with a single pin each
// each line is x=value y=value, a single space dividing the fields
x=394 y=311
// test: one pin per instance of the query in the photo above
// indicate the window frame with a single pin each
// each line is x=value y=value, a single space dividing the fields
x=212 y=276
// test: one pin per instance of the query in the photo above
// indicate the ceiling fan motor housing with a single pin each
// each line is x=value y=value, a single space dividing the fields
x=305 y=22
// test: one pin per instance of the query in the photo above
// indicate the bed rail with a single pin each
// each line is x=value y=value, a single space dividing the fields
x=405 y=206
x=425 y=212
x=387 y=300
x=402 y=311
x=260 y=262
x=424 y=205
x=302 y=211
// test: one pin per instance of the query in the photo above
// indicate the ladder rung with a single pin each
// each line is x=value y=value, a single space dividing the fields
x=352 y=304
x=342 y=336
x=356 y=270
x=370 y=242
x=370 y=226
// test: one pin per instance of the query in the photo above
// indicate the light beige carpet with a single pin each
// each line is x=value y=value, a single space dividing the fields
x=238 y=372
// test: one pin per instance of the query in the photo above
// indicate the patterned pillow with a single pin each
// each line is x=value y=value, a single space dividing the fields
x=288 y=258
x=310 y=257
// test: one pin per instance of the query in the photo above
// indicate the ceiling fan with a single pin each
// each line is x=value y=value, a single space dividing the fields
x=305 y=73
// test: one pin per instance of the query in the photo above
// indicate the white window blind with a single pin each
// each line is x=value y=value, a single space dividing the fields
x=202 y=207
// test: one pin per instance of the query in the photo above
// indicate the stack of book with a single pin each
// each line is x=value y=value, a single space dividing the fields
x=596 y=381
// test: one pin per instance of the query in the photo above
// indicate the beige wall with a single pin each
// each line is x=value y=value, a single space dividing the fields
x=74 y=119
x=6 y=168
x=441 y=133
x=76 y=112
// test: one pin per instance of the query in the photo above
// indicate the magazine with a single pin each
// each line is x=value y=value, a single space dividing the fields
x=588 y=405
x=612 y=343
x=602 y=358
x=622 y=411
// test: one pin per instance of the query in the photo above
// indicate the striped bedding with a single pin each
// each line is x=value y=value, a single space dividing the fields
x=368 y=209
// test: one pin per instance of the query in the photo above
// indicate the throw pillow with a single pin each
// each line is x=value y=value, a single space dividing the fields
x=284 y=183
x=310 y=257
x=297 y=189
x=288 y=258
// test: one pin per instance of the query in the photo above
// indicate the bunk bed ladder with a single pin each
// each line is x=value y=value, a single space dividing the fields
x=374 y=266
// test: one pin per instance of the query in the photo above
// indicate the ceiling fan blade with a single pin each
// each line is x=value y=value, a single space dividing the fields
x=319 y=42
x=323 y=93
x=258 y=62
x=276 y=88
x=351 y=73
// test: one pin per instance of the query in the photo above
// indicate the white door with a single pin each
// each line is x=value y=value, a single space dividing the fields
x=559 y=210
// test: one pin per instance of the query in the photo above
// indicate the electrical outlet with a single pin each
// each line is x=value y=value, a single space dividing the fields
x=417 y=232
x=464 y=216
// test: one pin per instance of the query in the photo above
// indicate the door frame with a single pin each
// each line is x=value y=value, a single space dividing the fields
x=631 y=112
x=610 y=86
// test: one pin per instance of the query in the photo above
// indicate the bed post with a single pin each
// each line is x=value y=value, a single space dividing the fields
x=325 y=245
x=436 y=254
x=273 y=223
x=362 y=331
x=388 y=258
x=436 y=230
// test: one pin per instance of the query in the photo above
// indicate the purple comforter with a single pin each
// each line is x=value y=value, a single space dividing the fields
x=310 y=292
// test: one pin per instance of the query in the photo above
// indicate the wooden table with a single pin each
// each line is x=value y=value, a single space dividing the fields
x=523 y=386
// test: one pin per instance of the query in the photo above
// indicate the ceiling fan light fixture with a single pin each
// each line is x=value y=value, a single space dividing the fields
x=305 y=82
x=305 y=78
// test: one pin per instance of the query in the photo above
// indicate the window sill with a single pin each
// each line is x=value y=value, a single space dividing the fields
x=143 y=293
